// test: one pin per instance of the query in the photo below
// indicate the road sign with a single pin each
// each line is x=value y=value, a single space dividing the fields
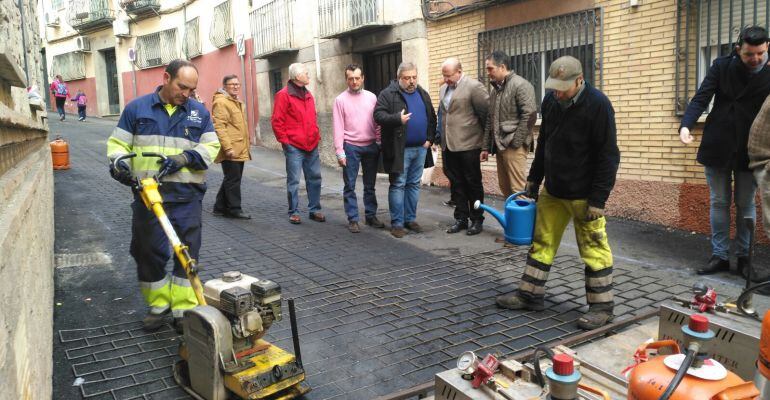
x=241 y=44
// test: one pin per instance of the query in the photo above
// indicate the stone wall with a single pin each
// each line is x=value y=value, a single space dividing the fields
x=26 y=215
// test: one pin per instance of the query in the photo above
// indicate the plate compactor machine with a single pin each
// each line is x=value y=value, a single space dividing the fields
x=223 y=353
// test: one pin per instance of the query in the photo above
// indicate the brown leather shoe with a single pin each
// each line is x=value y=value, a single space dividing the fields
x=375 y=223
x=398 y=232
x=317 y=217
x=413 y=226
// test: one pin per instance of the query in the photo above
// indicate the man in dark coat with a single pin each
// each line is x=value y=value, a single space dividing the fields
x=738 y=83
x=405 y=113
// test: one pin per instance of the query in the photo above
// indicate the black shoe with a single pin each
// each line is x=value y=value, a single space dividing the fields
x=217 y=213
x=457 y=226
x=475 y=228
x=715 y=265
x=238 y=215
x=449 y=203
x=152 y=322
x=374 y=223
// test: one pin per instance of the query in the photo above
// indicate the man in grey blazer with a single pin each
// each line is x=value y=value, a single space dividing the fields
x=463 y=103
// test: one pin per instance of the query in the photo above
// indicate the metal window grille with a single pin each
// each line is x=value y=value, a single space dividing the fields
x=87 y=13
x=271 y=26
x=70 y=66
x=337 y=16
x=57 y=4
x=276 y=82
x=192 y=40
x=221 y=32
x=533 y=46
x=707 y=29
x=156 y=49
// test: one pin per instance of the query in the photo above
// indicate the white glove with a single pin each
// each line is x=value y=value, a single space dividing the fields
x=685 y=136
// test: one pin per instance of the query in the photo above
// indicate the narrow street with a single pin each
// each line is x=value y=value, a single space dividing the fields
x=376 y=314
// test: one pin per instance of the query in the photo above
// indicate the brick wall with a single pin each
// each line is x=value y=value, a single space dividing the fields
x=26 y=215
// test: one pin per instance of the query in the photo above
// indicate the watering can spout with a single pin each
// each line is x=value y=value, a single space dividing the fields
x=498 y=215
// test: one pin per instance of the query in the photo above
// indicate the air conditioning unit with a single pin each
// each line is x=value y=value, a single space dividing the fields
x=52 y=19
x=83 y=43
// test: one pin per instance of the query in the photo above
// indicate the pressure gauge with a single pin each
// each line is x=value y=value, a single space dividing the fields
x=467 y=362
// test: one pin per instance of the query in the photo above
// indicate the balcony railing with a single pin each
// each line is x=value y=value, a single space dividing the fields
x=271 y=28
x=71 y=66
x=141 y=7
x=339 y=18
x=90 y=15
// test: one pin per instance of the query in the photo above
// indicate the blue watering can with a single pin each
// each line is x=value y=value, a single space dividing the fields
x=518 y=221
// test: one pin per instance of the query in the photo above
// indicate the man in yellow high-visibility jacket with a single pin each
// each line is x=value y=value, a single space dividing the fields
x=167 y=122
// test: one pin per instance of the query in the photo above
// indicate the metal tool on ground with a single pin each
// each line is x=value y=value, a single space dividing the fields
x=223 y=354
x=517 y=219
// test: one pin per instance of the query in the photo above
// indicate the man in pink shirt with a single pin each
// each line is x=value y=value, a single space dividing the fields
x=356 y=143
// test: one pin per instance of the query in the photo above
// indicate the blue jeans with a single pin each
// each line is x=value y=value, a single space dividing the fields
x=308 y=163
x=404 y=191
x=720 y=181
x=365 y=157
x=82 y=112
x=60 y=105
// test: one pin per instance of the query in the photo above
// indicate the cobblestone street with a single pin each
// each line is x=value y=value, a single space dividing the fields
x=376 y=314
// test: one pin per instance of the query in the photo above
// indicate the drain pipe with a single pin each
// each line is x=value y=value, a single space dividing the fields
x=316 y=49
x=24 y=42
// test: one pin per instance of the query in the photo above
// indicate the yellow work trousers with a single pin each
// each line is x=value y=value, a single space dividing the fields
x=553 y=215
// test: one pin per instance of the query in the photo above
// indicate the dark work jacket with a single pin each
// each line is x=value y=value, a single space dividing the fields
x=577 y=151
x=738 y=96
x=387 y=113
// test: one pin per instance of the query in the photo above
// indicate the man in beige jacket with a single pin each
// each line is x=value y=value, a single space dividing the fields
x=463 y=103
x=512 y=115
x=232 y=129
x=759 y=158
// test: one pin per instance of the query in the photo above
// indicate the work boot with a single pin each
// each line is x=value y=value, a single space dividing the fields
x=715 y=265
x=353 y=227
x=413 y=226
x=475 y=228
x=374 y=223
x=152 y=322
x=179 y=325
x=595 y=318
x=457 y=226
x=513 y=301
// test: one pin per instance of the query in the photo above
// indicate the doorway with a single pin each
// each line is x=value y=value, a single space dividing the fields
x=111 y=70
x=380 y=67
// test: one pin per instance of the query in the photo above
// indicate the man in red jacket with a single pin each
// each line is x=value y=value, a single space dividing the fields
x=295 y=127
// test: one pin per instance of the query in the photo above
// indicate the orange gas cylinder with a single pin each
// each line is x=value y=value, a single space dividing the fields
x=650 y=379
x=60 y=153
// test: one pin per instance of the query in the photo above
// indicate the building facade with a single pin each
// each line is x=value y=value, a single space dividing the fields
x=327 y=35
x=116 y=50
x=647 y=56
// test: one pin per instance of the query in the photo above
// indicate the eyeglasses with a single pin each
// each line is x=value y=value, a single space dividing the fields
x=233 y=84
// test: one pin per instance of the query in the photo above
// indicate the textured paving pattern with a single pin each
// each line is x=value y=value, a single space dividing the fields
x=376 y=314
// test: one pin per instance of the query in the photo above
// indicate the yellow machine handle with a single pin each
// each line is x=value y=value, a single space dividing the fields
x=148 y=191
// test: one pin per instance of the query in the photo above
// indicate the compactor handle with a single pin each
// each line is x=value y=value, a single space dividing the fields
x=157 y=155
x=121 y=158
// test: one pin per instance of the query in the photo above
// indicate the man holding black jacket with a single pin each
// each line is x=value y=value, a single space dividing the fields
x=577 y=154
